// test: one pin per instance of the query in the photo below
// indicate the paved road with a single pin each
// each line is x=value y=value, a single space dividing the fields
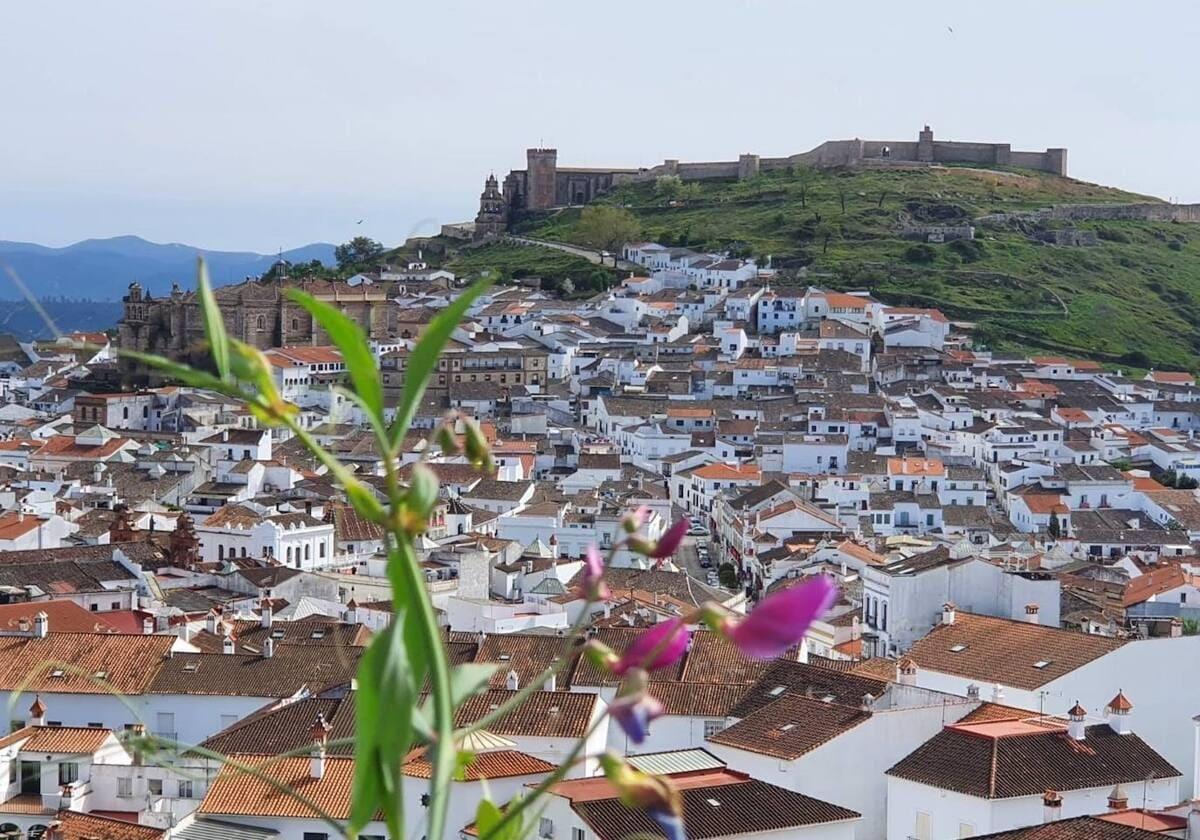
x=688 y=560
x=587 y=253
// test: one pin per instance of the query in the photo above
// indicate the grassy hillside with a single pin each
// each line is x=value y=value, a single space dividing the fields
x=1133 y=299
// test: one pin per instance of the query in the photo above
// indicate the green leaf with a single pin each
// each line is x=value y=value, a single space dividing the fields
x=214 y=323
x=352 y=341
x=468 y=679
x=488 y=818
x=423 y=359
x=184 y=374
x=388 y=676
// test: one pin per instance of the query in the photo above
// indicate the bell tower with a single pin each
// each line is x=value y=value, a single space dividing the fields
x=492 y=219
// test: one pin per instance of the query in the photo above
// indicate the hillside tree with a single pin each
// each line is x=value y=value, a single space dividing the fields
x=359 y=250
x=608 y=228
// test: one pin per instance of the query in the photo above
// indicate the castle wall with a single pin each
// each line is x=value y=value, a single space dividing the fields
x=541 y=179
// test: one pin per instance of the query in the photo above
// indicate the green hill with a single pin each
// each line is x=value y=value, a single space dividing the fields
x=1132 y=299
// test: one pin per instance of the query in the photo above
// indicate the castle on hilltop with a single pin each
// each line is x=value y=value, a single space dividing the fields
x=543 y=184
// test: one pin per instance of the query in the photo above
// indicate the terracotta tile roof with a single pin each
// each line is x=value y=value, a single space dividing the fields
x=915 y=466
x=64 y=617
x=727 y=472
x=1076 y=828
x=311 y=630
x=64 y=446
x=237 y=793
x=496 y=764
x=1004 y=759
x=278 y=729
x=526 y=654
x=70 y=663
x=25 y=804
x=292 y=668
x=1152 y=583
x=697 y=699
x=76 y=826
x=784 y=677
x=14 y=524
x=791 y=726
x=999 y=650
x=714 y=659
x=349 y=526
x=730 y=804
x=79 y=740
x=546 y=714
x=993 y=712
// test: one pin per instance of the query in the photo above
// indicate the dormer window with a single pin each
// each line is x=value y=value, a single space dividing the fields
x=959 y=648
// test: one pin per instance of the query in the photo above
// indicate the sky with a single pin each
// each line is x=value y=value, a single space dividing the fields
x=268 y=124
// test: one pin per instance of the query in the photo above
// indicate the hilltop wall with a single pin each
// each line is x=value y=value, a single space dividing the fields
x=1146 y=211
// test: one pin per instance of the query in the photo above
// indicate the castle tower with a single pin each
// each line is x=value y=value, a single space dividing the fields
x=925 y=145
x=541 y=177
x=492 y=219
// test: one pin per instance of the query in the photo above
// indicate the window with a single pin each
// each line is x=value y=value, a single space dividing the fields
x=185 y=789
x=545 y=827
x=154 y=786
x=68 y=772
x=578 y=834
x=315 y=835
x=924 y=829
x=124 y=787
x=712 y=727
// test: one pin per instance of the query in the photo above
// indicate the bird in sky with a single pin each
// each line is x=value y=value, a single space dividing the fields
x=360 y=221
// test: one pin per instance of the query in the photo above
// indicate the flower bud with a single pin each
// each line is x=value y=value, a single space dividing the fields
x=600 y=655
x=636 y=789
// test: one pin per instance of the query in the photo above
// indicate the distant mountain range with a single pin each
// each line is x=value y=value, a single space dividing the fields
x=102 y=269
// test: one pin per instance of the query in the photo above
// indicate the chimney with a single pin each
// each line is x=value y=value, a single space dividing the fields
x=973 y=691
x=266 y=614
x=268 y=649
x=1076 y=725
x=1051 y=806
x=37 y=712
x=906 y=672
x=1117 y=800
x=1176 y=628
x=211 y=622
x=41 y=625
x=1118 y=714
x=229 y=645
x=512 y=682
x=1031 y=613
x=352 y=612
x=997 y=693
x=147 y=626
x=320 y=734
x=947 y=613
x=551 y=684
x=868 y=700
x=162 y=623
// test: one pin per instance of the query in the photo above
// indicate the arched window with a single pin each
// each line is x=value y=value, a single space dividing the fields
x=243 y=551
x=289 y=554
x=295 y=325
x=261 y=323
x=220 y=552
x=321 y=549
x=307 y=551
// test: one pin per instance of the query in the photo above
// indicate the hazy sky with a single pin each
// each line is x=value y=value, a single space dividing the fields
x=261 y=124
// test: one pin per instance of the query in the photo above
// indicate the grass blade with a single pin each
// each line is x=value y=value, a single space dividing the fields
x=214 y=323
x=424 y=356
x=352 y=341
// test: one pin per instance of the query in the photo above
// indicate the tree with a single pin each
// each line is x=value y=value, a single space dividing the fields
x=1054 y=529
x=359 y=250
x=826 y=231
x=804 y=175
x=727 y=575
x=608 y=228
x=668 y=186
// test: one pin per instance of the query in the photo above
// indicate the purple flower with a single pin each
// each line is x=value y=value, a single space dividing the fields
x=669 y=542
x=660 y=646
x=634 y=708
x=636 y=519
x=636 y=789
x=781 y=620
x=594 y=587
x=671 y=824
